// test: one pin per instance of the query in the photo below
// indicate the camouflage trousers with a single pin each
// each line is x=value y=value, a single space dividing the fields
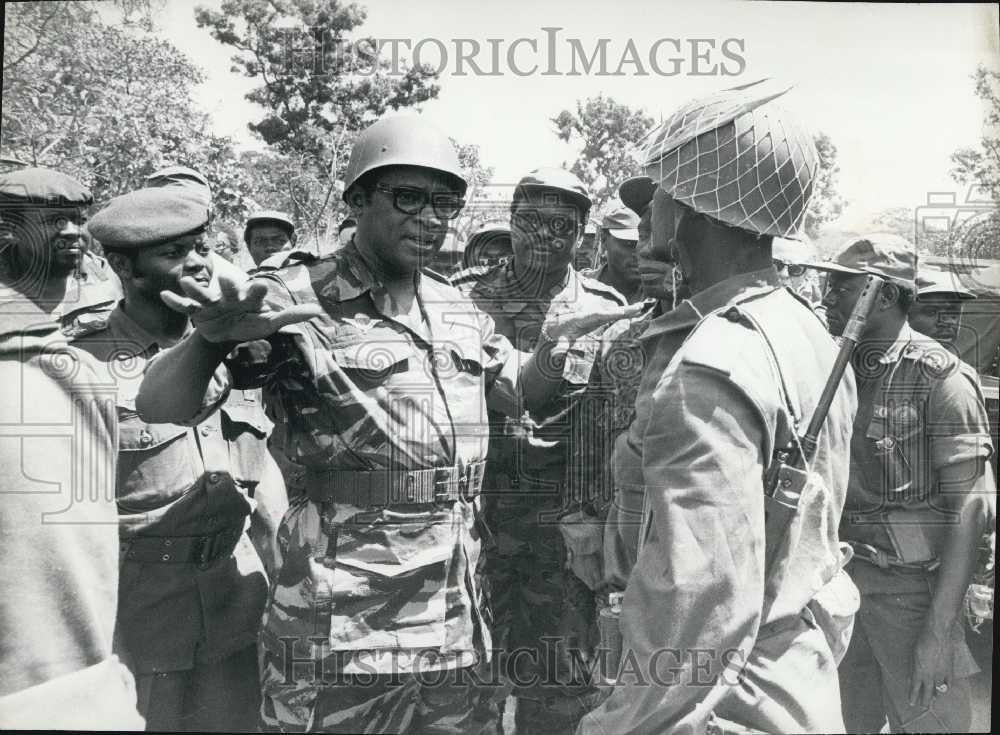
x=545 y=622
x=435 y=702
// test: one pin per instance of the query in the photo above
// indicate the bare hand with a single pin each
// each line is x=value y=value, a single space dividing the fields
x=932 y=666
x=574 y=326
x=231 y=308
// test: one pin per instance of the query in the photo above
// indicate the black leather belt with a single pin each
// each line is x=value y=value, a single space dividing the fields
x=202 y=550
x=395 y=487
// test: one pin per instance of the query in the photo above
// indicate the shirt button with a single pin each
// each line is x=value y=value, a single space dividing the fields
x=214 y=477
x=205 y=431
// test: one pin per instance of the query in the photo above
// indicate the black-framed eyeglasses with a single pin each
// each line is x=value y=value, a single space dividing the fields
x=410 y=200
x=557 y=223
x=793 y=268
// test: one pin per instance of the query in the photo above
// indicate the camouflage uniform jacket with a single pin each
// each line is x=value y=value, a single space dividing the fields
x=537 y=453
x=179 y=481
x=393 y=587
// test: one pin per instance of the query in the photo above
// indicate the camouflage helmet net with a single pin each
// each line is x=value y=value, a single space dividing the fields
x=737 y=159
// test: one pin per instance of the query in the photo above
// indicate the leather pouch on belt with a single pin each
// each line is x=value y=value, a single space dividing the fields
x=914 y=533
x=584 y=538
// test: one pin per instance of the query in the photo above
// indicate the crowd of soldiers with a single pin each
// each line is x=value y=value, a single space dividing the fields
x=352 y=494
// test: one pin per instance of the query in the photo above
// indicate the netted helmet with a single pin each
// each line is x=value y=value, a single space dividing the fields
x=738 y=158
x=402 y=140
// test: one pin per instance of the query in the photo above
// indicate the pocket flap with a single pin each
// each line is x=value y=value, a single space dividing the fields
x=136 y=436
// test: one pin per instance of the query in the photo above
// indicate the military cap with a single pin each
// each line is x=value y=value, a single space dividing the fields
x=42 y=187
x=933 y=282
x=636 y=193
x=560 y=180
x=884 y=254
x=268 y=217
x=149 y=217
x=181 y=176
x=622 y=222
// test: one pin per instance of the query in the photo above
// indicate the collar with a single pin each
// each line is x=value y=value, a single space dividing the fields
x=128 y=331
x=353 y=278
x=895 y=351
x=691 y=311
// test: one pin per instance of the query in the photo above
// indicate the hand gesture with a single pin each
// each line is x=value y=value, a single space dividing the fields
x=573 y=326
x=231 y=308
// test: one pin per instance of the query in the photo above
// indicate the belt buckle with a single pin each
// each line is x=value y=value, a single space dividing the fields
x=441 y=486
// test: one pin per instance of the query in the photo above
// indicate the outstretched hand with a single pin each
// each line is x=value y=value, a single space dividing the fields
x=231 y=308
x=574 y=326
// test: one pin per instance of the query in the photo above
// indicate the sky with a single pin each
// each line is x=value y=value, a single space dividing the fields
x=890 y=84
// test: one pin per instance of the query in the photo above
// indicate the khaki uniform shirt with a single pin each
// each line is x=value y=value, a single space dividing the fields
x=714 y=417
x=180 y=481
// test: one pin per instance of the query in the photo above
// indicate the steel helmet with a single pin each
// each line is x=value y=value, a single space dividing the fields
x=402 y=140
x=738 y=159
x=558 y=179
x=268 y=216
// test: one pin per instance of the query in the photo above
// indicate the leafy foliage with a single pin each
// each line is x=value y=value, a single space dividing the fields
x=979 y=167
x=101 y=103
x=826 y=204
x=608 y=133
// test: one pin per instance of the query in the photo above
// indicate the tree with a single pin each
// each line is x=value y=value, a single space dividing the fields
x=319 y=85
x=322 y=83
x=979 y=167
x=103 y=104
x=826 y=204
x=608 y=133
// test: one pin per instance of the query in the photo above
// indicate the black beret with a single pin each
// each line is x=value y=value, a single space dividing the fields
x=42 y=187
x=149 y=217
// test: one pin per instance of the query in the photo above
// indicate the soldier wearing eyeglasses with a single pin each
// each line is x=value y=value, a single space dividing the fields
x=538 y=466
x=377 y=620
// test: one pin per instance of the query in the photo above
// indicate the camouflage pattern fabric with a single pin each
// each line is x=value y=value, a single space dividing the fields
x=541 y=467
x=393 y=589
x=445 y=702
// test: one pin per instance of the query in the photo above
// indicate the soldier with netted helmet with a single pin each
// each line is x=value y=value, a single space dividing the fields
x=709 y=640
x=377 y=620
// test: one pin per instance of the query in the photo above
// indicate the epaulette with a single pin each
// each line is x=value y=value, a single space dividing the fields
x=473 y=274
x=934 y=358
x=439 y=277
x=287 y=258
x=592 y=284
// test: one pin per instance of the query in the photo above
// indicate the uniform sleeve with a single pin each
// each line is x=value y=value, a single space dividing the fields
x=957 y=423
x=693 y=602
x=501 y=367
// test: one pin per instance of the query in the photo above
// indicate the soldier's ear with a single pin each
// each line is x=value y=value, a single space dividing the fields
x=889 y=296
x=120 y=263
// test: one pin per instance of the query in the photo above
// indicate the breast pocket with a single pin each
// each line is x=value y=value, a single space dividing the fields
x=156 y=465
x=246 y=427
x=385 y=580
x=372 y=363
